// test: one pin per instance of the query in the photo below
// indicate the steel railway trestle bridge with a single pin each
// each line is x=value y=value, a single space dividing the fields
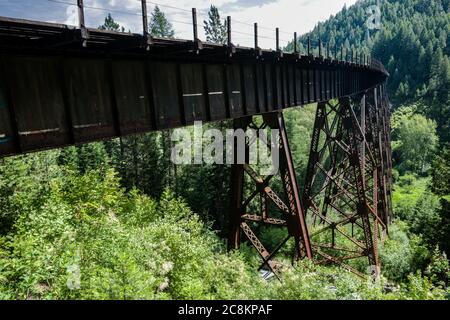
x=62 y=85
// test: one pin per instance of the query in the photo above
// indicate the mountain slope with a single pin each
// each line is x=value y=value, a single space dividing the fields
x=413 y=43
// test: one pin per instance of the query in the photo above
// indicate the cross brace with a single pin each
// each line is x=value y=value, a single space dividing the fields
x=286 y=205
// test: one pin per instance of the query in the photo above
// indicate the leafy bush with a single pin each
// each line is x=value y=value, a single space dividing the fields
x=90 y=240
x=420 y=288
x=401 y=255
x=416 y=205
x=414 y=142
x=439 y=269
x=84 y=237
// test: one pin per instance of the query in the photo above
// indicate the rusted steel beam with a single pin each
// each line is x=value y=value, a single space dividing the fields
x=296 y=221
x=257 y=218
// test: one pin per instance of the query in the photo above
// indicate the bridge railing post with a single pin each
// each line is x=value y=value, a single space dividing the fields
x=335 y=51
x=320 y=48
x=194 y=23
x=309 y=45
x=277 y=39
x=229 y=40
x=145 y=29
x=255 y=30
x=197 y=42
x=231 y=48
x=82 y=23
x=277 y=44
x=258 y=50
x=295 y=43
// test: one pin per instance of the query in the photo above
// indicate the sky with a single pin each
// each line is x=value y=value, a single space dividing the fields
x=289 y=15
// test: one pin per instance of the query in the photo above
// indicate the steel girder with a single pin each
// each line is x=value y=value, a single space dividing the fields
x=61 y=85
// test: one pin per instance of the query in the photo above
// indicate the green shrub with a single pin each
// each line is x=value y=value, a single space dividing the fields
x=401 y=254
x=84 y=237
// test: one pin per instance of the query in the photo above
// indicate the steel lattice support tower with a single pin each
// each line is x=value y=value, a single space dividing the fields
x=347 y=188
x=275 y=209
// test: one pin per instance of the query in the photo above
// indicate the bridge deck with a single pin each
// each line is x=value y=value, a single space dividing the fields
x=60 y=85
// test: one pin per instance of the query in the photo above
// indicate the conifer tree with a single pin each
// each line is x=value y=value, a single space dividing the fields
x=111 y=24
x=215 y=29
x=159 y=25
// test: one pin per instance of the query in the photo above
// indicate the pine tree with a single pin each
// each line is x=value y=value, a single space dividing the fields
x=92 y=156
x=111 y=24
x=159 y=25
x=440 y=171
x=215 y=29
x=438 y=93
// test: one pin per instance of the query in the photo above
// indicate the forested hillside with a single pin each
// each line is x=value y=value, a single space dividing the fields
x=118 y=220
x=413 y=42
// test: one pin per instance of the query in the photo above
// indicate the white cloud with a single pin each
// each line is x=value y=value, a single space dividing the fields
x=288 y=15
x=71 y=16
